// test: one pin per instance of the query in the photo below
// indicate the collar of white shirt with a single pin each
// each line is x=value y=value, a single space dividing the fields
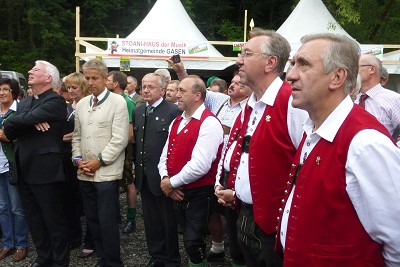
x=270 y=94
x=155 y=104
x=332 y=123
x=197 y=114
x=14 y=105
x=102 y=95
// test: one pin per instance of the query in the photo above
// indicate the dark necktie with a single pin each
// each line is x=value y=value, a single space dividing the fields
x=149 y=109
x=363 y=97
x=95 y=101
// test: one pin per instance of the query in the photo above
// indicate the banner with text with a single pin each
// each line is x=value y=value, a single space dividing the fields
x=156 y=48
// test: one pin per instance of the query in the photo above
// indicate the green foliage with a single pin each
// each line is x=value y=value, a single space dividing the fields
x=230 y=31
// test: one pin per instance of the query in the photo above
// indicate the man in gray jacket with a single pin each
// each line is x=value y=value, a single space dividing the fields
x=98 y=145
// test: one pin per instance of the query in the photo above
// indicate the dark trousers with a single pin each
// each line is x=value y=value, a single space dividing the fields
x=193 y=212
x=44 y=206
x=73 y=208
x=160 y=227
x=100 y=201
x=88 y=242
x=231 y=217
x=256 y=245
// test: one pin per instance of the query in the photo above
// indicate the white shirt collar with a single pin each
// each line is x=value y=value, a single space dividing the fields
x=242 y=103
x=155 y=104
x=102 y=95
x=270 y=94
x=332 y=123
x=14 y=105
x=197 y=114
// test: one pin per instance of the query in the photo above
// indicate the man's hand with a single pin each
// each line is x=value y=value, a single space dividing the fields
x=42 y=126
x=3 y=137
x=179 y=68
x=177 y=194
x=89 y=167
x=225 y=197
x=166 y=186
x=68 y=137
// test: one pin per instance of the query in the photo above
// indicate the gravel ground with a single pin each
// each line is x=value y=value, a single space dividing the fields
x=133 y=248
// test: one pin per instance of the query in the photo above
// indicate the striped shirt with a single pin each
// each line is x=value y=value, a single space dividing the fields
x=384 y=104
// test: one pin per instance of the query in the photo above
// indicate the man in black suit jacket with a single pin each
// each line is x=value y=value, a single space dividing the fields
x=151 y=123
x=37 y=127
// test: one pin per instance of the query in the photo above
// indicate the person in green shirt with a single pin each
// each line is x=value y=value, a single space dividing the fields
x=116 y=83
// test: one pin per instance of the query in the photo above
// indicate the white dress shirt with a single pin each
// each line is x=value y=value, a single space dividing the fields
x=204 y=151
x=384 y=104
x=372 y=180
x=155 y=104
x=295 y=119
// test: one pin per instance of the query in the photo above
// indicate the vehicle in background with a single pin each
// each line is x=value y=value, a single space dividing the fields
x=17 y=76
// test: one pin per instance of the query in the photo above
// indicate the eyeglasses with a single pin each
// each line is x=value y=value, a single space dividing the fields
x=35 y=69
x=246 y=54
x=150 y=87
x=5 y=90
x=365 y=65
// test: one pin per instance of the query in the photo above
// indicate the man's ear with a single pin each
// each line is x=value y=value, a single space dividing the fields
x=338 y=78
x=197 y=96
x=272 y=61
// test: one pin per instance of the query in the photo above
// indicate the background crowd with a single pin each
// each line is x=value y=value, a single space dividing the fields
x=298 y=169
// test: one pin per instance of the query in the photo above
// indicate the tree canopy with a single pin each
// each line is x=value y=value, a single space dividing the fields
x=45 y=29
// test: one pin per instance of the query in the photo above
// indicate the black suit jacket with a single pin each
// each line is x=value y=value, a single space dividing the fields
x=39 y=157
x=151 y=133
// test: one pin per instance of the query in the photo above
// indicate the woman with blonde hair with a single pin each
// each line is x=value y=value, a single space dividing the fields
x=77 y=88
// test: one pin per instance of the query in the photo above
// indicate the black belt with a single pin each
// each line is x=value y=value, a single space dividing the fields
x=246 y=205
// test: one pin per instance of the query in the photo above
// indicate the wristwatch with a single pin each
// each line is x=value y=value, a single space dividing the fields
x=76 y=160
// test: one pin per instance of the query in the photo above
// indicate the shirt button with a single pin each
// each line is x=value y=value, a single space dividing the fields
x=308 y=144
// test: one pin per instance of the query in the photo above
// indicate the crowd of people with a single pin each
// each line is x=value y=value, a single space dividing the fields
x=295 y=170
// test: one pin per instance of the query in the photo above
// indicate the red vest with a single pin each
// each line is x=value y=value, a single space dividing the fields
x=180 y=148
x=271 y=152
x=323 y=227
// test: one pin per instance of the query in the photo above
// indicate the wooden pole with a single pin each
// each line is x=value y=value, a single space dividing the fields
x=77 y=35
x=245 y=26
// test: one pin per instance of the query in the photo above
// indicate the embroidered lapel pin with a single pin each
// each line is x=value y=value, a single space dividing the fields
x=318 y=160
x=186 y=130
x=268 y=118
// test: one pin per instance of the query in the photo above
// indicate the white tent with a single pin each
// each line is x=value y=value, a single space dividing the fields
x=167 y=23
x=309 y=17
x=312 y=16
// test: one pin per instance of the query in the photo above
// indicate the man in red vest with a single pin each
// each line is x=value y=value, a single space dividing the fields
x=261 y=147
x=343 y=207
x=188 y=165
